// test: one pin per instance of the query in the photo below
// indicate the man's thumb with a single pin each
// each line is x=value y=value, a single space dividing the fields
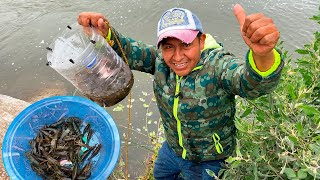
x=240 y=14
x=103 y=26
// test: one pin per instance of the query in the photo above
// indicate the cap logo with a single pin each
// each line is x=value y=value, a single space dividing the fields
x=178 y=23
x=176 y=17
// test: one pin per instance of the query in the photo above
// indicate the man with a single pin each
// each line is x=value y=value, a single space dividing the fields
x=195 y=83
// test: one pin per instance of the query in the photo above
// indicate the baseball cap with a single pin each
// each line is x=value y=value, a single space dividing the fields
x=179 y=23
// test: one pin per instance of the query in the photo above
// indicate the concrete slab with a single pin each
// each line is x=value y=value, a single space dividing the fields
x=9 y=108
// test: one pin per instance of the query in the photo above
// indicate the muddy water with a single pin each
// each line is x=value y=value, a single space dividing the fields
x=27 y=27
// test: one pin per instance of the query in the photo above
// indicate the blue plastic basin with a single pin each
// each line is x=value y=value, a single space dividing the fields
x=46 y=111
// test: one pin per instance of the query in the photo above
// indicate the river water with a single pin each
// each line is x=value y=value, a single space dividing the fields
x=27 y=27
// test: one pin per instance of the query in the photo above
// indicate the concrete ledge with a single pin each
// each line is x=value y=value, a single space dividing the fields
x=9 y=108
x=12 y=105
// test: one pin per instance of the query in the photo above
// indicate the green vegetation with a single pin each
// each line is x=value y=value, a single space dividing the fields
x=279 y=134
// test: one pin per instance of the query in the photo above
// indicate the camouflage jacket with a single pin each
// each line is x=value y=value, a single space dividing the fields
x=198 y=110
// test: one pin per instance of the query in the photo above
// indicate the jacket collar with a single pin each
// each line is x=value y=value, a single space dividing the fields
x=209 y=44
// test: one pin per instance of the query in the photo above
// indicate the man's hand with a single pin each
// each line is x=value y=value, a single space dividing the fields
x=260 y=34
x=97 y=20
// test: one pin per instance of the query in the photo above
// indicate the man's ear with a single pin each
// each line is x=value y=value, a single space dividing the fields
x=202 y=40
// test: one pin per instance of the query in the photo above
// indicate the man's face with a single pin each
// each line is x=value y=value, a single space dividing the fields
x=182 y=57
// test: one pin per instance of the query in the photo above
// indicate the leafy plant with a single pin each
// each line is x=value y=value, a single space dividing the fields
x=279 y=134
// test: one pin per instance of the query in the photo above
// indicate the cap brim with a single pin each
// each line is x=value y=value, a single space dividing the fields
x=185 y=35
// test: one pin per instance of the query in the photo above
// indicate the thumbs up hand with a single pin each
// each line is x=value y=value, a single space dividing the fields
x=258 y=31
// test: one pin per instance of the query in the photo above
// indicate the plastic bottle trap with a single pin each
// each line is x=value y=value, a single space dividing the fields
x=82 y=56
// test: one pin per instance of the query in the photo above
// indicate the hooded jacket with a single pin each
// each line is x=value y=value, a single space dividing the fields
x=198 y=110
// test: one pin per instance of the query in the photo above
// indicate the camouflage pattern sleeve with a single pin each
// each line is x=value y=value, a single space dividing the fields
x=237 y=76
x=141 y=57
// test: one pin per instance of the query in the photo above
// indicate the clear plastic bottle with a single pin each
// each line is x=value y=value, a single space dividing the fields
x=83 y=57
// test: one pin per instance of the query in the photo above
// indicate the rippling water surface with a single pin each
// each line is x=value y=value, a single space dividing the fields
x=28 y=27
